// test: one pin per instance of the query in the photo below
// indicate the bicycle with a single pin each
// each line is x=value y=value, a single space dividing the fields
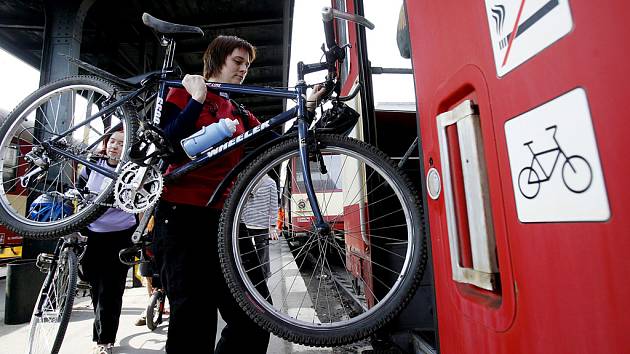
x=382 y=208
x=54 y=304
x=155 y=309
x=577 y=174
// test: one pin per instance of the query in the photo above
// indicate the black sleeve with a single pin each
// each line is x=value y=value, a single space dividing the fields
x=178 y=124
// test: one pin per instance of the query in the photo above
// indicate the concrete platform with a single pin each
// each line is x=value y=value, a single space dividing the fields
x=131 y=338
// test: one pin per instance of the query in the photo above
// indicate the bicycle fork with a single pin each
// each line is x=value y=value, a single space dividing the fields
x=307 y=143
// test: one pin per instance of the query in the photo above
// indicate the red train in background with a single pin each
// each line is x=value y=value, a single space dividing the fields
x=10 y=242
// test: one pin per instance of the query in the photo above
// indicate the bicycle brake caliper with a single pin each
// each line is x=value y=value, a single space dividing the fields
x=315 y=153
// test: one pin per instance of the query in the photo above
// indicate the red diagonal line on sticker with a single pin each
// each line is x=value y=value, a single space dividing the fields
x=518 y=18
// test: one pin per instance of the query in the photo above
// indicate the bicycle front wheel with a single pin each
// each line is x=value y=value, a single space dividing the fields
x=43 y=142
x=155 y=310
x=327 y=287
x=54 y=305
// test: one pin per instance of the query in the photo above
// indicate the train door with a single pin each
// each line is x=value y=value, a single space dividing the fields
x=522 y=125
x=388 y=121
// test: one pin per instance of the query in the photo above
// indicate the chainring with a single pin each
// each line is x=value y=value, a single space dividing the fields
x=136 y=198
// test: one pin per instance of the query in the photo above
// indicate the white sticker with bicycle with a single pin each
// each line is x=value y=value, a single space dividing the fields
x=556 y=171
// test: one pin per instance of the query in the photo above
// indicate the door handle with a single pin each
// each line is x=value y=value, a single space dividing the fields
x=484 y=269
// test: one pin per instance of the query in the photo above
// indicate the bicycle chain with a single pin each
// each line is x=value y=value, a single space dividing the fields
x=66 y=197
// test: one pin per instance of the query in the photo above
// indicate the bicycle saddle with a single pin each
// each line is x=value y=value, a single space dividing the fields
x=168 y=27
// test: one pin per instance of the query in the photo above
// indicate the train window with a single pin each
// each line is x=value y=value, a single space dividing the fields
x=392 y=79
x=330 y=181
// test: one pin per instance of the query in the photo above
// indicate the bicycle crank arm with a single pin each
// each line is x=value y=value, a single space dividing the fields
x=139 y=231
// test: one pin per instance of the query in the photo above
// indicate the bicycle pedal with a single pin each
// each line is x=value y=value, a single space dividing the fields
x=44 y=261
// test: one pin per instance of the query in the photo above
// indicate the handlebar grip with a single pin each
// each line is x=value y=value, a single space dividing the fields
x=328 y=13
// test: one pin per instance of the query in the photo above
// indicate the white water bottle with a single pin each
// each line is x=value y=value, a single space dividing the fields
x=208 y=136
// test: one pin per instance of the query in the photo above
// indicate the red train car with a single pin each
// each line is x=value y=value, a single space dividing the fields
x=10 y=242
x=522 y=165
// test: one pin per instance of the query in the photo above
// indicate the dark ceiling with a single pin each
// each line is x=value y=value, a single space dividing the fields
x=115 y=39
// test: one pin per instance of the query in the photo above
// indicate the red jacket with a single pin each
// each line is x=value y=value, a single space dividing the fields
x=196 y=187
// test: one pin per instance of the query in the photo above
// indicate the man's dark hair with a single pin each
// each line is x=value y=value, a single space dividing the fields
x=218 y=51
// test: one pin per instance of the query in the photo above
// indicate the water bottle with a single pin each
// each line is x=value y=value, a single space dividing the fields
x=208 y=136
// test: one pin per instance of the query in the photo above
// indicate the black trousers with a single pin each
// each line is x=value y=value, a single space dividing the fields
x=261 y=243
x=107 y=277
x=186 y=240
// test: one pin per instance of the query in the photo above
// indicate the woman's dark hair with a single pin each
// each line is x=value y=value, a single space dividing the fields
x=218 y=51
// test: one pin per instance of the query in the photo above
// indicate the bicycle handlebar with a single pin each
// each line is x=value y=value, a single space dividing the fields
x=334 y=53
x=328 y=13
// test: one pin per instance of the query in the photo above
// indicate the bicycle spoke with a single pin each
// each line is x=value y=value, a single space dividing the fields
x=322 y=254
x=343 y=261
x=337 y=290
x=374 y=263
x=296 y=275
x=322 y=279
x=300 y=252
x=61 y=117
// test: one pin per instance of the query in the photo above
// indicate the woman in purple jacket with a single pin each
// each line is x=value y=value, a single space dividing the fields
x=106 y=237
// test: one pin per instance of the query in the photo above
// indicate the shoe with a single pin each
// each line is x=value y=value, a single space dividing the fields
x=104 y=349
x=141 y=321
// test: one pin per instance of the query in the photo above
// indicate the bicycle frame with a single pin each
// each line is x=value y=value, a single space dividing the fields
x=74 y=240
x=555 y=162
x=298 y=94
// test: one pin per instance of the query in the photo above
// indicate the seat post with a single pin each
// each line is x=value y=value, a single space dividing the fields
x=169 y=43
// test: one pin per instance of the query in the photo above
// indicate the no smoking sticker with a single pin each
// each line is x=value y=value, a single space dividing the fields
x=520 y=29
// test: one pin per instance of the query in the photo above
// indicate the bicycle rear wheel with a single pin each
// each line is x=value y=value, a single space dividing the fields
x=36 y=176
x=54 y=305
x=327 y=288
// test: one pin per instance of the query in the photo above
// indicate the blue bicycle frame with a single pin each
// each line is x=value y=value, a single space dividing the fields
x=298 y=94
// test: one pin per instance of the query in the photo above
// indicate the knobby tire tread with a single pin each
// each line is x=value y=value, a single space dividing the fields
x=72 y=290
x=152 y=325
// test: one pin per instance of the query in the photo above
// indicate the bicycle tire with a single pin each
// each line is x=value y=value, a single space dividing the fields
x=577 y=159
x=52 y=312
x=350 y=324
x=154 y=310
x=523 y=185
x=68 y=101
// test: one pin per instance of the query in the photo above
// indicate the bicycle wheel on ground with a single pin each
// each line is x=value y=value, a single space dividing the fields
x=155 y=310
x=39 y=191
x=54 y=305
x=335 y=287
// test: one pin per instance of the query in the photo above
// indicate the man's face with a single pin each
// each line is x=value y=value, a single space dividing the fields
x=235 y=67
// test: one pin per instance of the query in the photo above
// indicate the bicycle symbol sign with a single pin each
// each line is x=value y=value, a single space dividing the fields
x=577 y=174
x=554 y=161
